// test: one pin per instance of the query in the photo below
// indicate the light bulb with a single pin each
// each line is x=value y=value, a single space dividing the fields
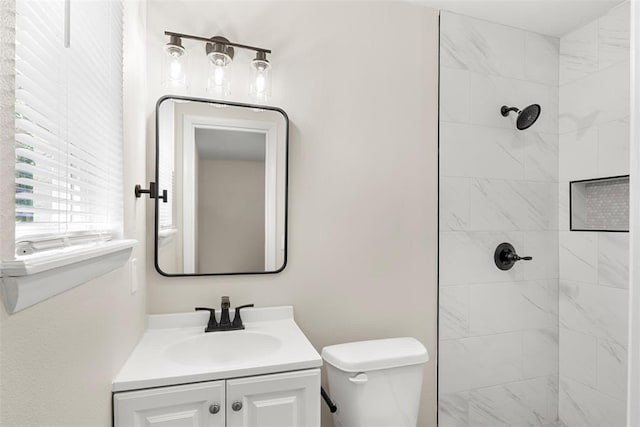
x=260 y=83
x=218 y=76
x=175 y=69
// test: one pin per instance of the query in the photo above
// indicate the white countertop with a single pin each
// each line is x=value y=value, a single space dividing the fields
x=150 y=366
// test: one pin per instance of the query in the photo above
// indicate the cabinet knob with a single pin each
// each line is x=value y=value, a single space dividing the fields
x=215 y=408
x=236 y=406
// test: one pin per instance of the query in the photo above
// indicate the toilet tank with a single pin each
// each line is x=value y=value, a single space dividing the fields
x=376 y=383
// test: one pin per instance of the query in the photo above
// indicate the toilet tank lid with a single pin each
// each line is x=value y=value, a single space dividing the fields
x=364 y=356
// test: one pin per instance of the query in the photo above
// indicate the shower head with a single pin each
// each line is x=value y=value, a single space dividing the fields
x=526 y=117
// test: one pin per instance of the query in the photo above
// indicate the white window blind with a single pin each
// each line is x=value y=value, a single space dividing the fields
x=68 y=121
x=166 y=156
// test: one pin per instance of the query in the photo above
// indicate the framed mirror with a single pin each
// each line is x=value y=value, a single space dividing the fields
x=224 y=168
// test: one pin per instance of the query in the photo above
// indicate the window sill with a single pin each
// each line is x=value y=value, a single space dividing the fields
x=34 y=278
x=166 y=235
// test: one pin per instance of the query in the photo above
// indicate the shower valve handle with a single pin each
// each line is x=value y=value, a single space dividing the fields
x=505 y=256
x=516 y=257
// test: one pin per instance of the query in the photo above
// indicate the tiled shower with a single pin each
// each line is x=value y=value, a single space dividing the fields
x=545 y=342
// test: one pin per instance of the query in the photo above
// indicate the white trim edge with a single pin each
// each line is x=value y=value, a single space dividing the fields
x=33 y=279
x=633 y=376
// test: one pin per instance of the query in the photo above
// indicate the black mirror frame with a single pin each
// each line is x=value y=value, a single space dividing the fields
x=286 y=183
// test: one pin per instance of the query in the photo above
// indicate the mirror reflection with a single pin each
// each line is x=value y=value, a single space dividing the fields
x=224 y=168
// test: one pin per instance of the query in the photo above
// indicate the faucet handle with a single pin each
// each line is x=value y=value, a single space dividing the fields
x=225 y=303
x=212 y=324
x=237 y=320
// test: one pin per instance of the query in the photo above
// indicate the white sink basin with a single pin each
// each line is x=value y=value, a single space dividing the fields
x=222 y=348
x=176 y=350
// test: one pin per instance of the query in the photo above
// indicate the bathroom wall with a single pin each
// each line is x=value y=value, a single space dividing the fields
x=58 y=358
x=498 y=360
x=594 y=142
x=363 y=164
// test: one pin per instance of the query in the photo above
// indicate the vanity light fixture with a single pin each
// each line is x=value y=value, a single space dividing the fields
x=220 y=52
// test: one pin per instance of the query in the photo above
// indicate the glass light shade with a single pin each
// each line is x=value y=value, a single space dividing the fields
x=218 y=84
x=174 y=66
x=260 y=86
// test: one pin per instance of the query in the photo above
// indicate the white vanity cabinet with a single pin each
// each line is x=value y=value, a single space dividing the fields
x=182 y=405
x=290 y=399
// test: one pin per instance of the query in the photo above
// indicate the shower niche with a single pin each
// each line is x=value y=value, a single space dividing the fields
x=600 y=204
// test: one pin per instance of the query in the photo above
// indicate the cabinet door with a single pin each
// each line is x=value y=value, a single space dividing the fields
x=281 y=400
x=177 y=406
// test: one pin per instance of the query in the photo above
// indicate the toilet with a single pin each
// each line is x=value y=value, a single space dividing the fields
x=376 y=383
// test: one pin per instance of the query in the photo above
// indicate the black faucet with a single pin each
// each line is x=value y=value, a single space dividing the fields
x=225 y=322
x=237 y=321
x=212 y=325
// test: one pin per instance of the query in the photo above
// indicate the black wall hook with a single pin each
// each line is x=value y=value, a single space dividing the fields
x=151 y=191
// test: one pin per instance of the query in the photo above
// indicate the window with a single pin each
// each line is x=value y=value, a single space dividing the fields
x=68 y=148
x=68 y=123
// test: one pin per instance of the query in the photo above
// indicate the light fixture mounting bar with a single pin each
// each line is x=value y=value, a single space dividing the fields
x=208 y=40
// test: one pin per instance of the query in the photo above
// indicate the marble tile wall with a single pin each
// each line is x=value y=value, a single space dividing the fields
x=547 y=339
x=594 y=142
x=498 y=353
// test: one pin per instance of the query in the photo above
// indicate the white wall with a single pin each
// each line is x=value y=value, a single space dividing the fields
x=498 y=329
x=58 y=358
x=359 y=82
x=594 y=266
